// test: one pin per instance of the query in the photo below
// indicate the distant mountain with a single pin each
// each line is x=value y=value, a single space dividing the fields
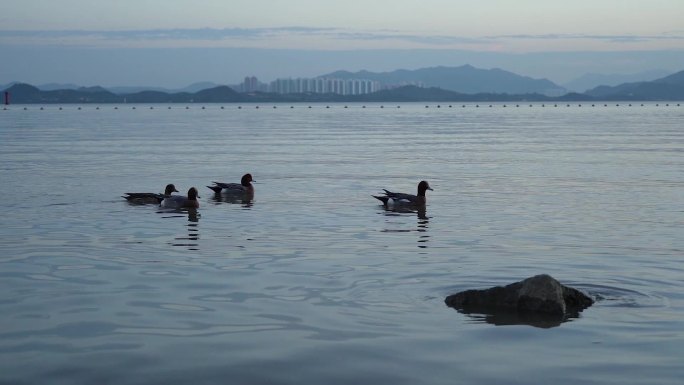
x=464 y=79
x=589 y=81
x=57 y=86
x=199 y=86
x=194 y=87
x=667 y=88
x=122 y=90
x=25 y=93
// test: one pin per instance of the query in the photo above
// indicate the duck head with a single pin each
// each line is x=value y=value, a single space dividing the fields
x=422 y=187
x=246 y=180
x=193 y=194
x=170 y=188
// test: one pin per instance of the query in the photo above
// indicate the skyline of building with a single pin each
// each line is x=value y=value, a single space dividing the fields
x=317 y=85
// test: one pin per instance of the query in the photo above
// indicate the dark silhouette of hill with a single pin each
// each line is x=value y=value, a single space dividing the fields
x=592 y=80
x=667 y=88
x=464 y=79
x=25 y=93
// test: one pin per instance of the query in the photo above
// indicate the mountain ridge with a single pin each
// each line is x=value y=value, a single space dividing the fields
x=463 y=79
x=669 y=87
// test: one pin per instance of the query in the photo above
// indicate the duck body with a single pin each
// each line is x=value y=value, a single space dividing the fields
x=180 y=201
x=150 y=198
x=403 y=198
x=244 y=187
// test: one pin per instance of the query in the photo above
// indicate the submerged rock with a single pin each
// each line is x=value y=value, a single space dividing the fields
x=539 y=295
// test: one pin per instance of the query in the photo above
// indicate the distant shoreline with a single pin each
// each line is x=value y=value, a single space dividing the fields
x=28 y=94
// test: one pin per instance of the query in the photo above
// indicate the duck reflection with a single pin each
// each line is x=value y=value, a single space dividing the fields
x=191 y=239
x=244 y=199
x=422 y=225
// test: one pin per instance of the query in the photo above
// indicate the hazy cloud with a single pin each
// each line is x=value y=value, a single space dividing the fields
x=167 y=34
x=609 y=38
x=235 y=37
x=312 y=37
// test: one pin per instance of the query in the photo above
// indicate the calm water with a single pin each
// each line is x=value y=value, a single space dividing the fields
x=315 y=283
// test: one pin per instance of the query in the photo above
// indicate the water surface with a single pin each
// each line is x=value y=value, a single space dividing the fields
x=314 y=282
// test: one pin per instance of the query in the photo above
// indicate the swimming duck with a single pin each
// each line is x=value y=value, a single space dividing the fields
x=180 y=201
x=401 y=198
x=244 y=187
x=150 y=198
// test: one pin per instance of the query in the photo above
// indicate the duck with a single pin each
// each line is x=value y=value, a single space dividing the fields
x=244 y=187
x=406 y=199
x=150 y=198
x=180 y=201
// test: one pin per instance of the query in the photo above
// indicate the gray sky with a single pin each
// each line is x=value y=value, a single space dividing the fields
x=530 y=37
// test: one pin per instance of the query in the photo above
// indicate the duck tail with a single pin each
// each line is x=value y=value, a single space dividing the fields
x=383 y=199
x=216 y=189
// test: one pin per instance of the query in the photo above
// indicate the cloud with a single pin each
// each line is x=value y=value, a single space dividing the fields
x=164 y=34
x=608 y=38
x=78 y=37
x=298 y=37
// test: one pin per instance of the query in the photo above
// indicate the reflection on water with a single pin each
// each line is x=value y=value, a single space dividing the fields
x=399 y=211
x=191 y=240
x=244 y=199
x=544 y=321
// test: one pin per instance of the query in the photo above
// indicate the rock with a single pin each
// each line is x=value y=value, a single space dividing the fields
x=541 y=294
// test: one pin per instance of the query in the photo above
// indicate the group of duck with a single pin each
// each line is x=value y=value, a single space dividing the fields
x=245 y=190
